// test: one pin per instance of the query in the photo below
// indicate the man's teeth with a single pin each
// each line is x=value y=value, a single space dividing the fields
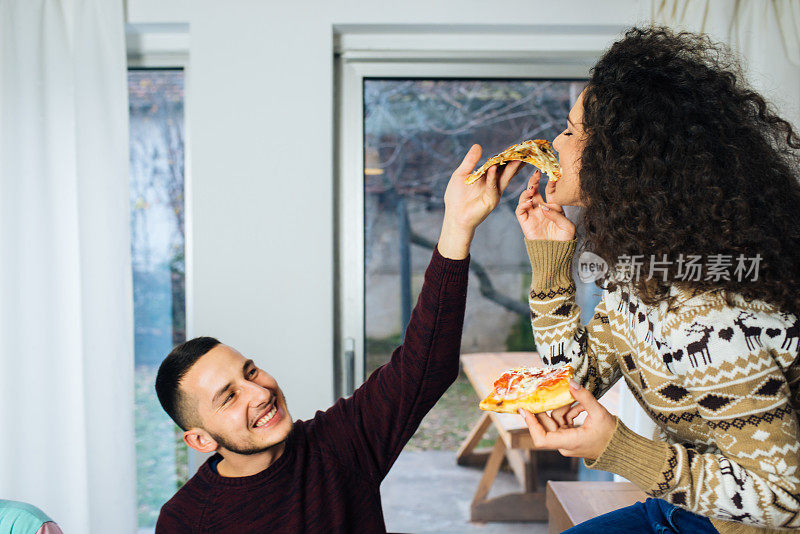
x=270 y=414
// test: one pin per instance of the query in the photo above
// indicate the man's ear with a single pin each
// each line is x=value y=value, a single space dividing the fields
x=199 y=440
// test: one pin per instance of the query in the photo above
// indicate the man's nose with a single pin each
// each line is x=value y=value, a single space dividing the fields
x=258 y=395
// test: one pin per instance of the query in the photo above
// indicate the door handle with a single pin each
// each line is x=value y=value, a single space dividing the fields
x=349 y=365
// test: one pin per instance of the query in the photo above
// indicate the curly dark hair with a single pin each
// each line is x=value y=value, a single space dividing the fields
x=682 y=157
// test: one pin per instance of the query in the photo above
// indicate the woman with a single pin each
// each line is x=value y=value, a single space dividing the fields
x=679 y=165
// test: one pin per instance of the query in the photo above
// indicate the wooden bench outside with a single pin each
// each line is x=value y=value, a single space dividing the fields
x=514 y=444
x=572 y=503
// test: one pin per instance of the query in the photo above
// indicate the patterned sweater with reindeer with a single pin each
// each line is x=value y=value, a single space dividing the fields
x=721 y=382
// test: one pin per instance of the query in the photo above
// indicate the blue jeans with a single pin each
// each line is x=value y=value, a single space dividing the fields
x=653 y=515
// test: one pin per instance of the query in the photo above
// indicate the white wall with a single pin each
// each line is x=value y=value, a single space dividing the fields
x=260 y=122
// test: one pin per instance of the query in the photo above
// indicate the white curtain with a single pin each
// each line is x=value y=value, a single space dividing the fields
x=765 y=34
x=66 y=320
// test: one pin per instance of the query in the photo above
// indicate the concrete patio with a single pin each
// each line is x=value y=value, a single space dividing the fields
x=427 y=492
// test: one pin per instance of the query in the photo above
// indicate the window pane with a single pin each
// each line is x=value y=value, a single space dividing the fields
x=157 y=249
x=416 y=133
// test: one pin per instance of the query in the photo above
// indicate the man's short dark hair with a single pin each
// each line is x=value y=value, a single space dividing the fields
x=171 y=372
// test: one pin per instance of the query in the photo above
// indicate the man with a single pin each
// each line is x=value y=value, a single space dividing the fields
x=324 y=474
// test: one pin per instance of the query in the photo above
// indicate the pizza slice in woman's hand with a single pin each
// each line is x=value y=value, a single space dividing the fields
x=533 y=388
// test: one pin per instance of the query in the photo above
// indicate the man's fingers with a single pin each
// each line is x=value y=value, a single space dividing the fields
x=470 y=160
x=509 y=172
x=491 y=177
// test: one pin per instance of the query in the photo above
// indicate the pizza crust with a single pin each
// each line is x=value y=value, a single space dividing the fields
x=546 y=396
x=560 y=398
x=537 y=152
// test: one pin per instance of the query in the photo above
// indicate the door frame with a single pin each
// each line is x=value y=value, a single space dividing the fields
x=360 y=55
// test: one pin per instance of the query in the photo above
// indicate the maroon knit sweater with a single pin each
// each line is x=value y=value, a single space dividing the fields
x=328 y=477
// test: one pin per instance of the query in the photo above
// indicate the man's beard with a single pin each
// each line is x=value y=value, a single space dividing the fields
x=222 y=442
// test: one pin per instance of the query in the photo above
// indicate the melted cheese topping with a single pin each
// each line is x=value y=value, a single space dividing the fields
x=522 y=381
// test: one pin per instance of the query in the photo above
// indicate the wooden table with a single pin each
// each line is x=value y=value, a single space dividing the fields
x=514 y=444
x=571 y=503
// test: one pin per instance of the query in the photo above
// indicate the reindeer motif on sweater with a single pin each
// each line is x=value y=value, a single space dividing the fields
x=722 y=385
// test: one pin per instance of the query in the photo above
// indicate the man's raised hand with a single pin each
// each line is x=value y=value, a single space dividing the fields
x=466 y=206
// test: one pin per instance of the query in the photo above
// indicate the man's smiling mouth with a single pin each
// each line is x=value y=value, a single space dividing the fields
x=267 y=417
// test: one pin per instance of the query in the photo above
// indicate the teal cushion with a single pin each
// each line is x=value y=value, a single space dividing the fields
x=20 y=518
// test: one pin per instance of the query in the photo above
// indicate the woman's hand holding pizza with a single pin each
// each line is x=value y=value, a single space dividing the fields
x=539 y=219
x=466 y=206
x=556 y=431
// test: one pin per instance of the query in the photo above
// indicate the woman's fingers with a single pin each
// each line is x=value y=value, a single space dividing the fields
x=540 y=219
x=559 y=419
x=550 y=188
x=533 y=187
x=533 y=181
x=563 y=438
x=525 y=201
x=522 y=210
x=537 y=197
x=547 y=422
x=537 y=431
x=574 y=412
x=559 y=415
x=525 y=204
x=554 y=207
x=587 y=400
x=558 y=218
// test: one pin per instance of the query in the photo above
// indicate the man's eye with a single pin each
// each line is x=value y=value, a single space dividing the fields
x=253 y=372
x=228 y=398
